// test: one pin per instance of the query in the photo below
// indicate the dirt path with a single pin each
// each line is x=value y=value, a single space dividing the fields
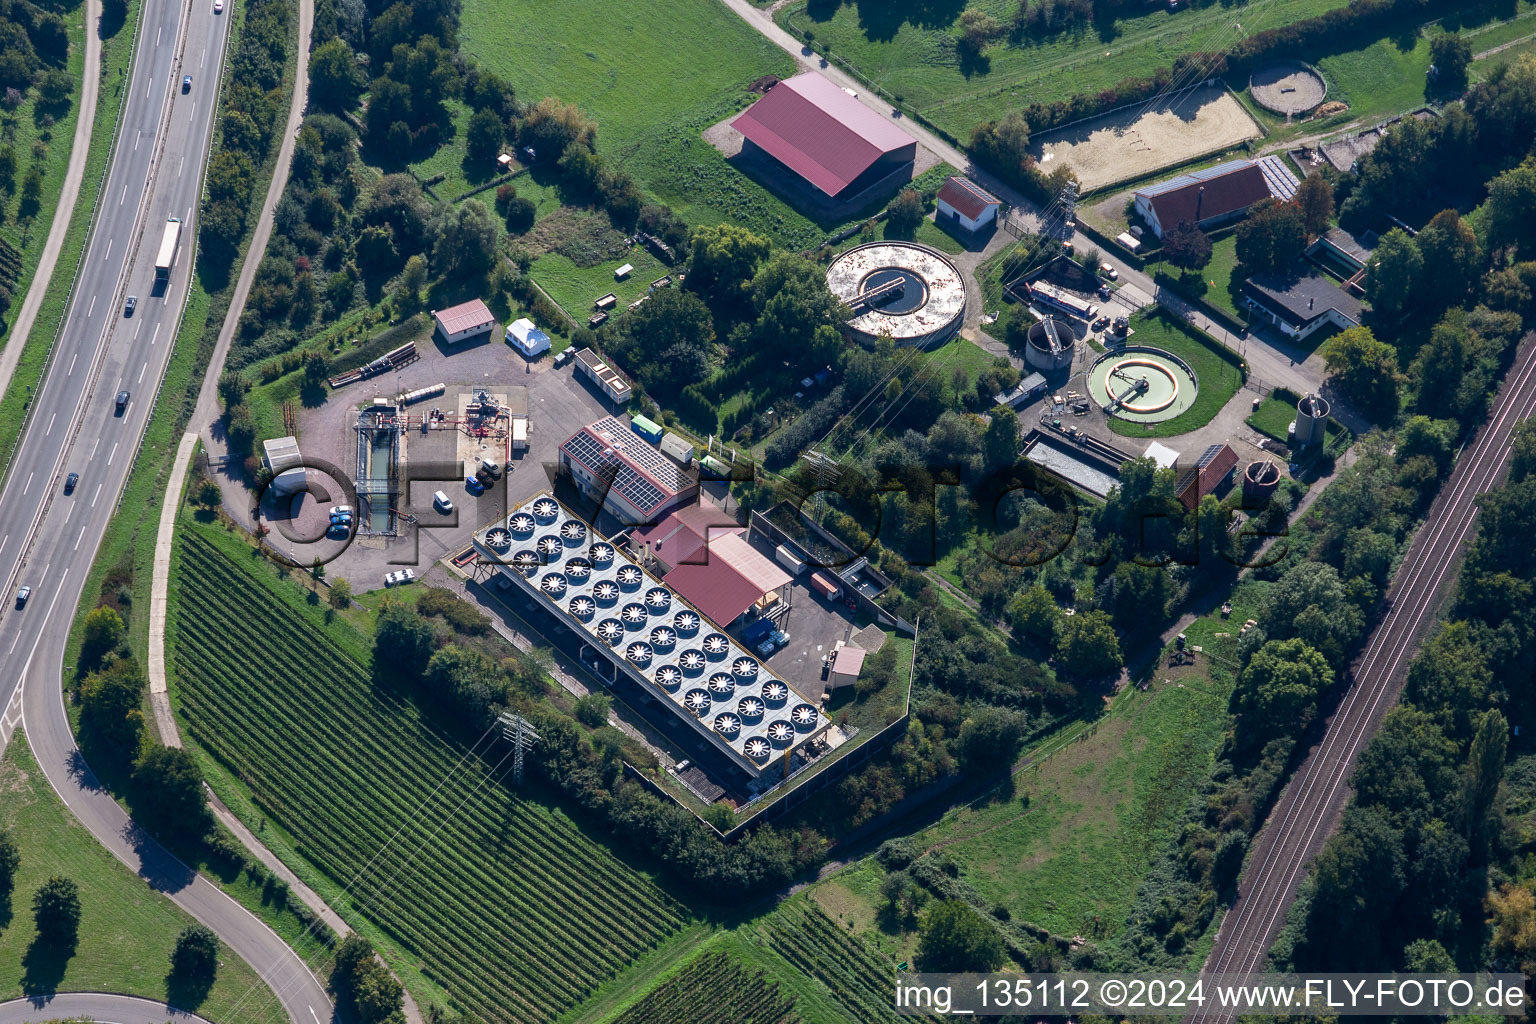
x=64 y=210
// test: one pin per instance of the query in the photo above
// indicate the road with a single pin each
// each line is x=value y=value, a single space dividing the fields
x=47 y=539
x=1309 y=808
x=102 y=1007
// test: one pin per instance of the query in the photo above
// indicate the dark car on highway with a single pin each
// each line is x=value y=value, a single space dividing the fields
x=130 y=305
x=70 y=481
x=122 y=402
x=186 y=83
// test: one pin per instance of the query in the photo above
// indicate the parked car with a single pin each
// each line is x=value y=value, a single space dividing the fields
x=1101 y=323
x=1108 y=271
x=1104 y=291
x=442 y=503
x=122 y=401
x=70 y=481
x=130 y=305
x=22 y=595
x=341 y=510
x=474 y=486
x=491 y=466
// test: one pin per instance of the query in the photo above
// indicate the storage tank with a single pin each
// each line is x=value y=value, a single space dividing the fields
x=1311 y=421
x=1050 y=345
x=1259 y=482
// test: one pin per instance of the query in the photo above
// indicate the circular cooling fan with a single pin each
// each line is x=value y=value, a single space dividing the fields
x=658 y=598
x=775 y=692
x=691 y=661
x=526 y=562
x=606 y=591
x=583 y=607
x=611 y=630
x=573 y=532
x=521 y=523
x=545 y=508
x=601 y=554
x=578 y=568
x=634 y=614
x=550 y=547
x=629 y=576
x=721 y=685
x=757 y=748
x=780 y=732
x=687 y=623
x=553 y=584
x=727 y=725
x=668 y=676
x=499 y=539
x=696 y=701
x=750 y=707
x=744 y=668
x=663 y=637
x=804 y=716
x=716 y=644
x=639 y=653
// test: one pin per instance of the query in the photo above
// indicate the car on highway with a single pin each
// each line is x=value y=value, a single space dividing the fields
x=22 y=595
x=186 y=83
x=122 y=401
x=131 y=304
x=70 y=481
x=218 y=6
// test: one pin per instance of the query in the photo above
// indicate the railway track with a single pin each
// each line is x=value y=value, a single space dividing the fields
x=1312 y=802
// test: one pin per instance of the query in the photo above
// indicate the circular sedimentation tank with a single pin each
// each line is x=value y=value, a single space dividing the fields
x=903 y=290
x=1050 y=345
x=1259 y=481
x=1142 y=385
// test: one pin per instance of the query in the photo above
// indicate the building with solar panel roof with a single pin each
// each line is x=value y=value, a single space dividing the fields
x=632 y=479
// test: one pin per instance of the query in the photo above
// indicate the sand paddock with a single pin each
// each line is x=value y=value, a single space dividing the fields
x=1121 y=146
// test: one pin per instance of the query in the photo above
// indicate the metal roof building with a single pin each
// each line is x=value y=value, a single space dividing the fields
x=464 y=322
x=824 y=136
x=1206 y=198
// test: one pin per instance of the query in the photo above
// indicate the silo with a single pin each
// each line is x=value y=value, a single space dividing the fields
x=1050 y=346
x=1259 y=482
x=1311 y=421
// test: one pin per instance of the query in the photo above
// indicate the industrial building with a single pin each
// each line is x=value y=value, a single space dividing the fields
x=1210 y=471
x=1050 y=345
x=704 y=555
x=287 y=465
x=825 y=138
x=524 y=336
x=1208 y=198
x=966 y=206
x=1299 y=306
x=629 y=477
x=652 y=636
x=464 y=322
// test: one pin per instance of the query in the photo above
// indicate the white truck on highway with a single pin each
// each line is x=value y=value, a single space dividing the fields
x=170 y=244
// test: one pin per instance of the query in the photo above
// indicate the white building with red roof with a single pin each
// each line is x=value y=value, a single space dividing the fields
x=629 y=477
x=965 y=205
x=464 y=322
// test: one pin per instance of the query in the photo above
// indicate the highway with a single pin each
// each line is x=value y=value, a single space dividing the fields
x=48 y=540
x=1310 y=806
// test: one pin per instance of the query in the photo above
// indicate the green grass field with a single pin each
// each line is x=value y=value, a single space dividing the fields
x=1219 y=378
x=127 y=930
x=576 y=288
x=503 y=899
x=909 y=50
x=1273 y=418
x=1213 y=284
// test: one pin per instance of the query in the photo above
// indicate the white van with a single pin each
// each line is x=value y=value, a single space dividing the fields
x=442 y=503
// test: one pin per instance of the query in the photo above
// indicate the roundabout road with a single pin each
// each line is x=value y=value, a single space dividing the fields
x=102 y=1007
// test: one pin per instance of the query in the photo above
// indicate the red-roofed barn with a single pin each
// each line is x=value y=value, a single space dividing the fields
x=966 y=205
x=824 y=136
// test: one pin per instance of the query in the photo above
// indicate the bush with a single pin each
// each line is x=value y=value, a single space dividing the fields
x=196 y=956
x=592 y=710
x=56 y=912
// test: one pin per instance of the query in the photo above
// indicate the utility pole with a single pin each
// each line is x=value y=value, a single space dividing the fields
x=516 y=730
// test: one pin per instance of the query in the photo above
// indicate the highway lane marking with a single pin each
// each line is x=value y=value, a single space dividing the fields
x=194 y=112
x=93 y=306
x=158 y=33
x=141 y=374
x=111 y=457
x=181 y=166
x=108 y=254
x=125 y=192
x=151 y=84
x=315 y=1015
x=69 y=512
x=157 y=335
x=72 y=364
x=50 y=424
x=136 y=137
x=27 y=488
x=96 y=495
x=136 y=329
x=203 y=59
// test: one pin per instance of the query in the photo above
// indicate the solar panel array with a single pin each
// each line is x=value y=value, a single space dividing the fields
x=674 y=652
x=1208 y=455
x=1282 y=183
x=1173 y=184
x=636 y=467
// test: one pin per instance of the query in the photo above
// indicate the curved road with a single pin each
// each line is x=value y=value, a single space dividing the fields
x=1309 y=808
x=47 y=539
x=102 y=1007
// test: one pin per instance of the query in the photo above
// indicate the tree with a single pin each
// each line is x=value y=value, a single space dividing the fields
x=56 y=912
x=207 y=493
x=1392 y=276
x=1279 y=687
x=375 y=248
x=463 y=239
x=1033 y=612
x=667 y=340
x=905 y=213
x=102 y=633
x=1510 y=211
x=1522 y=460
x=169 y=793
x=990 y=739
x=1272 y=237
x=412 y=280
x=592 y=710
x=1003 y=145
x=977 y=30
x=1451 y=256
x=317 y=369
x=7 y=168
x=521 y=212
x=1000 y=444
x=31 y=194
x=1314 y=197
x=1450 y=55
x=483 y=138
x=341 y=593
x=953 y=937
x=1512 y=914
x=109 y=707
x=725 y=258
x=1187 y=247
x=55 y=87
x=1481 y=777
x=10 y=861
x=196 y=956
x=1366 y=369
x=403 y=644
x=1309 y=601
x=552 y=126
x=469 y=680
x=797 y=313
x=335 y=80
x=364 y=986
x=1086 y=645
